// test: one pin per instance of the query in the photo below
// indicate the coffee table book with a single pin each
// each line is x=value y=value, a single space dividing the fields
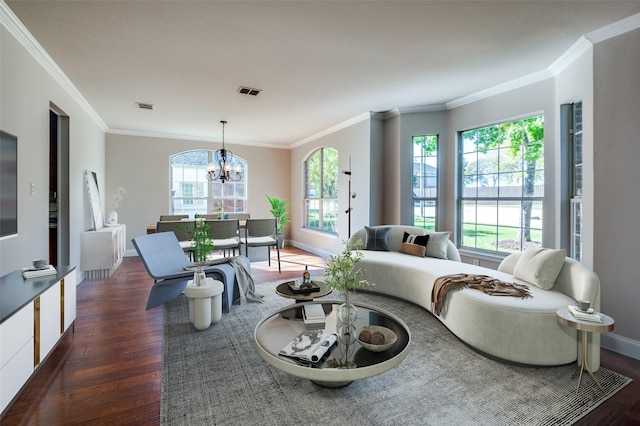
x=309 y=346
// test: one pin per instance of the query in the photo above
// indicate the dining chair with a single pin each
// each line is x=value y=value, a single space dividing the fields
x=262 y=233
x=164 y=217
x=238 y=216
x=183 y=230
x=225 y=234
x=206 y=216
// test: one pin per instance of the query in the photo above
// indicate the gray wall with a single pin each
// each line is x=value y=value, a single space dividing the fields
x=617 y=179
x=351 y=141
x=141 y=166
x=26 y=91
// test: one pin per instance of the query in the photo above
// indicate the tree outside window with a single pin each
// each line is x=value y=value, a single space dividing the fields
x=321 y=190
x=502 y=186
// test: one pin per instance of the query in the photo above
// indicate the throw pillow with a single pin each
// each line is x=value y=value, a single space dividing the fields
x=377 y=238
x=414 y=245
x=540 y=266
x=412 y=249
x=437 y=245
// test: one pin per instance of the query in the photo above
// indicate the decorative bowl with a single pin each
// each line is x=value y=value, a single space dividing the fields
x=389 y=338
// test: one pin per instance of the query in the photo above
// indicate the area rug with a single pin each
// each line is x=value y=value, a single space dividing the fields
x=216 y=377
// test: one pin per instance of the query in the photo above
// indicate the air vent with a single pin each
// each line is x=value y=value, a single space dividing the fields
x=142 y=105
x=248 y=91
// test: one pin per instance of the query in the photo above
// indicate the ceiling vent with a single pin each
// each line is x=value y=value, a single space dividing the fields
x=142 y=105
x=248 y=91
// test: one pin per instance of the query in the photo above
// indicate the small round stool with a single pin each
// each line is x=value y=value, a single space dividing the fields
x=205 y=303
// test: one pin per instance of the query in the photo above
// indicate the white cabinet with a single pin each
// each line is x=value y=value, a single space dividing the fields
x=47 y=321
x=33 y=317
x=102 y=251
x=16 y=353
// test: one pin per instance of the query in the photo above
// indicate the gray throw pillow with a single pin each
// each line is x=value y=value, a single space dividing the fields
x=377 y=238
x=437 y=244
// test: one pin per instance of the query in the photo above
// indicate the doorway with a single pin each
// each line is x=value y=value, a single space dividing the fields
x=58 y=186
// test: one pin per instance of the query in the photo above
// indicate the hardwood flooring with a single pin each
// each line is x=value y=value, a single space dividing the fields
x=108 y=371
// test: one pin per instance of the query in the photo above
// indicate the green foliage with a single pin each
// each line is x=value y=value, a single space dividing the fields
x=201 y=242
x=429 y=143
x=322 y=174
x=279 y=210
x=341 y=272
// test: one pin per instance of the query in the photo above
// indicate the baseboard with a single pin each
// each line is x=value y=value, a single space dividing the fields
x=621 y=345
x=322 y=253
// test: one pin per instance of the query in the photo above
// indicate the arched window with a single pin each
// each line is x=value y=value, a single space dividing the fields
x=192 y=192
x=321 y=190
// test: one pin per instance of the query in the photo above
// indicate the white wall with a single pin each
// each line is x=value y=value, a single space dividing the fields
x=141 y=166
x=26 y=91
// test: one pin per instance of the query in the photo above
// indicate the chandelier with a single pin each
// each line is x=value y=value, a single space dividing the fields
x=223 y=163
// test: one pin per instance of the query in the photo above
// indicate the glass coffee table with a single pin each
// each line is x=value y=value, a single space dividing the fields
x=277 y=329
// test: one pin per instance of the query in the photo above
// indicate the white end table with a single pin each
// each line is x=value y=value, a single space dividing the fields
x=205 y=303
x=563 y=316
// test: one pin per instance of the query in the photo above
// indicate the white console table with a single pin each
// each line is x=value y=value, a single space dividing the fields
x=102 y=251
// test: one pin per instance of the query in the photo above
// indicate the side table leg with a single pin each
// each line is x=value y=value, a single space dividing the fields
x=584 y=365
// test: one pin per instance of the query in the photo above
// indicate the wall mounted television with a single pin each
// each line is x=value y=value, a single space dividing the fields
x=8 y=185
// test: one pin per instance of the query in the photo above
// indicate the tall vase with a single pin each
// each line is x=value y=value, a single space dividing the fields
x=347 y=312
x=199 y=276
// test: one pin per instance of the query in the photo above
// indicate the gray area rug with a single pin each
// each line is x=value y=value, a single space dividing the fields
x=216 y=377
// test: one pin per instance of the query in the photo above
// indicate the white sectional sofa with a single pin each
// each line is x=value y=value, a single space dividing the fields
x=513 y=329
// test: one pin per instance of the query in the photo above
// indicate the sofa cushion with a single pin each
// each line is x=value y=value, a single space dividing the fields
x=377 y=238
x=414 y=245
x=437 y=245
x=540 y=266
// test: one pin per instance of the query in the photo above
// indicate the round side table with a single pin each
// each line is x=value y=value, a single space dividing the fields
x=205 y=303
x=563 y=316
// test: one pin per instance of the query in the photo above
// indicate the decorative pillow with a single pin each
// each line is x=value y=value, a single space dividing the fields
x=540 y=266
x=437 y=245
x=377 y=238
x=414 y=245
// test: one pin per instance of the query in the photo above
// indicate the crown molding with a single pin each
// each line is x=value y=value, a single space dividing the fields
x=571 y=55
x=172 y=136
x=333 y=129
x=501 y=88
x=13 y=25
x=615 y=29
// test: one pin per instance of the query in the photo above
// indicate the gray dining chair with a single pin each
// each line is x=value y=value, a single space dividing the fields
x=182 y=229
x=164 y=217
x=225 y=234
x=262 y=233
x=239 y=216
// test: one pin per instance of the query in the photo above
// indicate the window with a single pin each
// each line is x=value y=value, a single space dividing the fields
x=321 y=190
x=575 y=170
x=502 y=186
x=192 y=192
x=425 y=181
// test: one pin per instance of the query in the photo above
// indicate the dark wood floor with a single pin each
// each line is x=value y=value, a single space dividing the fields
x=108 y=371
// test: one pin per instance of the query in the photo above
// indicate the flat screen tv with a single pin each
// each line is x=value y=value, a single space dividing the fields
x=8 y=185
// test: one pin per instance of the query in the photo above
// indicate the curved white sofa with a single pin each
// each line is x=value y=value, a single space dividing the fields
x=517 y=330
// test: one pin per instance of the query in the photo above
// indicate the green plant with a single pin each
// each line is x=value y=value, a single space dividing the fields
x=342 y=273
x=279 y=210
x=201 y=241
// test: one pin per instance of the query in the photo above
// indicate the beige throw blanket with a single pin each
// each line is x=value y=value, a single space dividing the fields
x=486 y=284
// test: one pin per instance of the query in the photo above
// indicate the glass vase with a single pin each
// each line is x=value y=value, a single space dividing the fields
x=347 y=313
x=199 y=276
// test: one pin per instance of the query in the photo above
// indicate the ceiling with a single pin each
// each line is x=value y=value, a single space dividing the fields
x=318 y=63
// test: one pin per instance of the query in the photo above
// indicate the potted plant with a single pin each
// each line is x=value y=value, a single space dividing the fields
x=201 y=241
x=279 y=210
x=220 y=210
x=343 y=274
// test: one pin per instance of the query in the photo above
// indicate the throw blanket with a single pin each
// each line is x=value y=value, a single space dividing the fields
x=486 y=284
x=245 y=281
